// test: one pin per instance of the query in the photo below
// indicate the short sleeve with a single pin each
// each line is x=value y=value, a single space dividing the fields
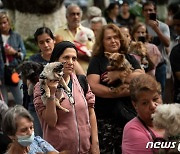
x=97 y=65
x=132 y=60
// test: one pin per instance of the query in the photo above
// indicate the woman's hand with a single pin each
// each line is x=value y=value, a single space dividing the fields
x=52 y=86
x=10 y=50
x=112 y=76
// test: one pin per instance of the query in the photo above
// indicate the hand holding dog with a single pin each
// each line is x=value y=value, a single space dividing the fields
x=52 y=86
x=112 y=76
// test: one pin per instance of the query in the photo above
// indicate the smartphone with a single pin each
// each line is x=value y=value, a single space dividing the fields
x=152 y=16
x=142 y=39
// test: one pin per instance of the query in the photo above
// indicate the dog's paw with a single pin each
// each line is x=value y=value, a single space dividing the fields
x=61 y=99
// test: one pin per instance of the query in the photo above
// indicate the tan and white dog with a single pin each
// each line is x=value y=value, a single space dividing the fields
x=53 y=72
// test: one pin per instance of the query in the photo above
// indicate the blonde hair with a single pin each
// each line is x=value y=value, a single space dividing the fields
x=4 y=15
x=98 y=49
x=143 y=82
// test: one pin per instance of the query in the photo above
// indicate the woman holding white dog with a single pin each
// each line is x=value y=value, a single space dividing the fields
x=74 y=131
x=146 y=96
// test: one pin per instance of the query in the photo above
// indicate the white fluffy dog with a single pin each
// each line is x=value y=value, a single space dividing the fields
x=53 y=72
x=167 y=116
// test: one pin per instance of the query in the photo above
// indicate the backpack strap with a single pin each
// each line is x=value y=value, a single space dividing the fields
x=83 y=82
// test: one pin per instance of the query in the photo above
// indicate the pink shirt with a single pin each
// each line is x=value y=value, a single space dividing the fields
x=72 y=131
x=135 y=138
x=154 y=54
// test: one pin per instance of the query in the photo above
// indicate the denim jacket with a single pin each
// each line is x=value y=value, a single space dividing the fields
x=17 y=43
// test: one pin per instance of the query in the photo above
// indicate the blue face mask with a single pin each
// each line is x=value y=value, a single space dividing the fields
x=25 y=140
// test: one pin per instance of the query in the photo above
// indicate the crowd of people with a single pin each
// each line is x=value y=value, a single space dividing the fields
x=116 y=69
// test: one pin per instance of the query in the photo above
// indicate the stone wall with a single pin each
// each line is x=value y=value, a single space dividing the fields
x=26 y=23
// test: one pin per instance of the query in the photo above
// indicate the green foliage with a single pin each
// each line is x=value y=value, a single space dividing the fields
x=31 y=47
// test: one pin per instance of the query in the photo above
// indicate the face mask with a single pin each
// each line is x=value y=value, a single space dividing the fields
x=25 y=140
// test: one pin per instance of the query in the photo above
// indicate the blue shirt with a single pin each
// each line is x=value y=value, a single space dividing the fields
x=40 y=145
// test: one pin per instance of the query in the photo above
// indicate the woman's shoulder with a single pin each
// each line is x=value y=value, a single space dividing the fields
x=133 y=61
x=133 y=124
x=35 y=56
x=39 y=144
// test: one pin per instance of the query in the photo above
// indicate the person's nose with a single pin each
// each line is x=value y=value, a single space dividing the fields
x=153 y=105
x=45 y=44
x=70 y=61
x=140 y=34
x=30 y=131
x=112 y=39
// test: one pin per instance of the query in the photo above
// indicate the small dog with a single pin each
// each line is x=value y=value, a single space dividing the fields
x=167 y=116
x=118 y=62
x=53 y=72
x=139 y=51
x=29 y=72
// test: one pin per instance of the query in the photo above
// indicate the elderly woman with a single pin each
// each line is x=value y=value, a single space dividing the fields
x=146 y=96
x=108 y=102
x=75 y=131
x=18 y=125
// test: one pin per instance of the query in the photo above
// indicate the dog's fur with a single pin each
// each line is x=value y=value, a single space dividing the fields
x=139 y=49
x=167 y=116
x=118 y=62
x=30 y=70
x=53 y=72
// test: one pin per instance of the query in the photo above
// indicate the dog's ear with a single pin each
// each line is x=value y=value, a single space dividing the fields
x=31 y=71
x=107 y=54
x=41 y=76
x=121 y=58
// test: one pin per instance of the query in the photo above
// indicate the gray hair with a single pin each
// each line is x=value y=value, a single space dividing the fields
x=71 y=6
x=3 y=109
x=98 y=19
x=9 y=124
x=94 y=11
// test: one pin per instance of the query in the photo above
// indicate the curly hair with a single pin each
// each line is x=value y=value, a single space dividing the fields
x=143 y=82
x=98 y=49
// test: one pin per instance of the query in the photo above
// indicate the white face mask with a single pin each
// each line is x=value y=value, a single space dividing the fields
x=25 y=140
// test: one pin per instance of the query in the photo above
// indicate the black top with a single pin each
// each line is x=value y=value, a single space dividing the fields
x=129 y=22
x=98 y=65
x=174 y=59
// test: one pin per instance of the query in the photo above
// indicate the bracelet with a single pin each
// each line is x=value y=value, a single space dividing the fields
x=51 y=98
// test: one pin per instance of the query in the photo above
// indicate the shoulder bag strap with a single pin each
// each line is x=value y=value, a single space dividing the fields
x=149 y=130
